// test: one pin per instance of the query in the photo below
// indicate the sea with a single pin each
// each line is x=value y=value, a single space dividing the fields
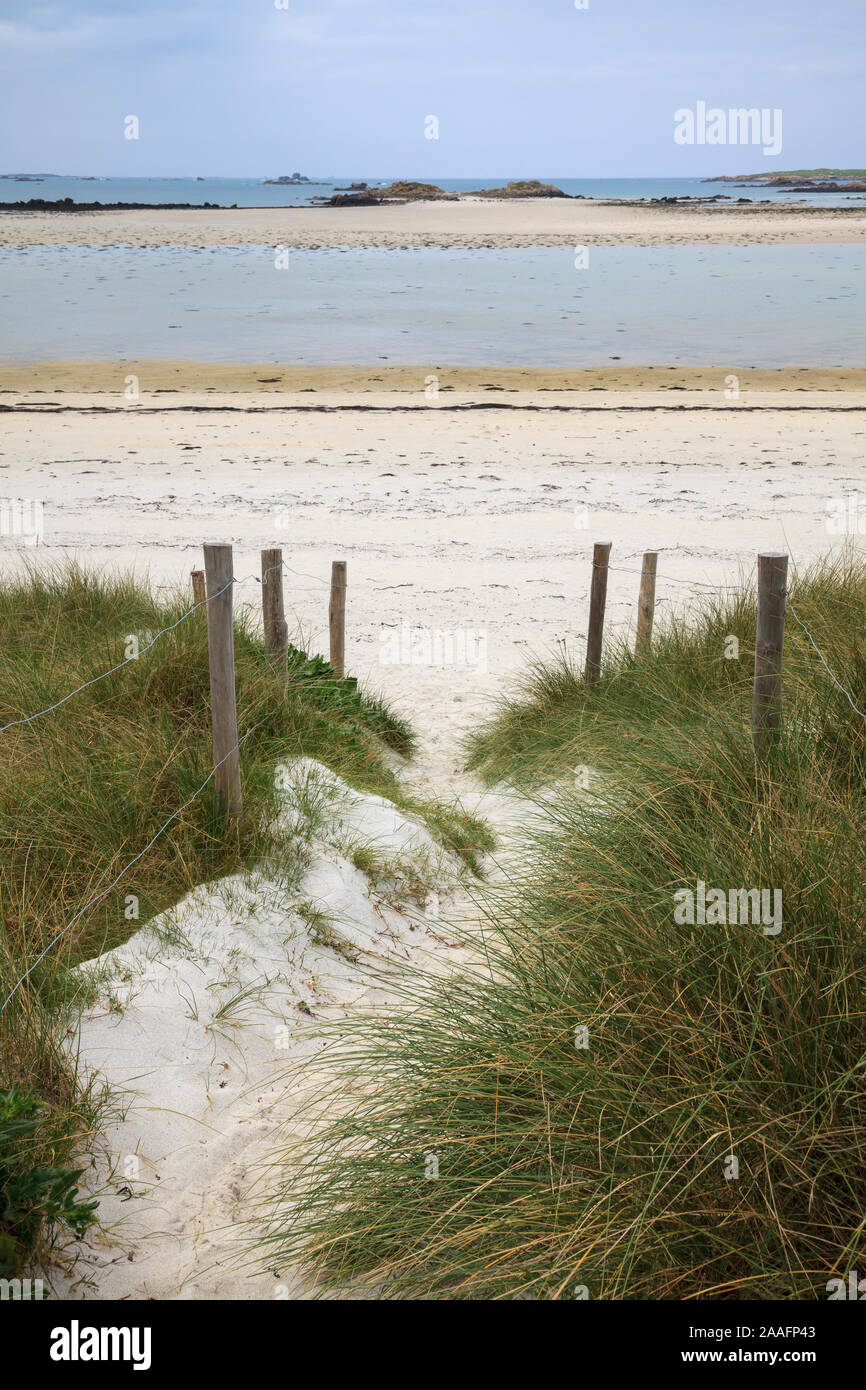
x=255 y=192
x=761 y=306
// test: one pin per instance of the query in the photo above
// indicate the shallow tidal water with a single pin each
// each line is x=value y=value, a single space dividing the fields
x=763 y=306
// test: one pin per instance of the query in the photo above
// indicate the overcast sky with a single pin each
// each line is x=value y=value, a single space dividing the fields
x=520 y=87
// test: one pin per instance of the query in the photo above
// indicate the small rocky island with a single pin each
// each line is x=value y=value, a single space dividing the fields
x=293 y=179
x=408 y=191
x=523 y=188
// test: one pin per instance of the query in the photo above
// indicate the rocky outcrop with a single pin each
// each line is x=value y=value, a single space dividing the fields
x=409 y=191
x=402 y=191
x=826 y=186
x=68 y=205
x=795 y=183
x=523 y=188
x=349 y=200
x=412 y=191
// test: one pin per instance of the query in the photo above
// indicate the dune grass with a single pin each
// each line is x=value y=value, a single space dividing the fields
x=86 y=787
x=547 y=726
x=616 y=1104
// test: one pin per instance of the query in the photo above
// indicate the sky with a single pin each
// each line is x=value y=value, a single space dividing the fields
x=520 y=88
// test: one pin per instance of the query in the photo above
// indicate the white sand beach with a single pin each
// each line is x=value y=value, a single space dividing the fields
x=457 y=519
x=472 y=519
x=477 y=513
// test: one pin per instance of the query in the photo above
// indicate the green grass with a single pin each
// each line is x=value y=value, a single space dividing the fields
x=35 y=1197
x=606 y=1167
x=84 y=789
x=548 y=726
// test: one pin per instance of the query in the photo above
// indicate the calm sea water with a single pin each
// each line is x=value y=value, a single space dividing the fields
x=753 y=306
x=256 y=193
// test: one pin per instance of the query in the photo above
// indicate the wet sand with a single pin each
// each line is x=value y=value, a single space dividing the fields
x=268 y=379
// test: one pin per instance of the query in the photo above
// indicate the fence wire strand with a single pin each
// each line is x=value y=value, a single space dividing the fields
x=28 y=719
x=823 y=659
x=105 y=891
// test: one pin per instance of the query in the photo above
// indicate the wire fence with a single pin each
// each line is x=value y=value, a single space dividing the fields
x=220 y=763
x=676 y=579
x=839 y=686
x=724 y=588
x=621 y=569
x=225 y=758
x=28 y=719
x=112 y=670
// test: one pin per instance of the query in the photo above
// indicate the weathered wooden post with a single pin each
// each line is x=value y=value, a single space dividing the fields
x=646 y=602
x=221 y=655
x=769 y=638
x=597 y=600
x=273 y=612
x=198 y=593
x=337 y=617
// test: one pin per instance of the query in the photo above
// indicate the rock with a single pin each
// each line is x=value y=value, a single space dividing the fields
x=68 y=205
x=524 y=188
x=350 y=200
x=403 y=191
x=293 y=179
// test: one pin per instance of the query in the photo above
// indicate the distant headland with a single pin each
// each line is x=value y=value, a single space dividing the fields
x=801 y=180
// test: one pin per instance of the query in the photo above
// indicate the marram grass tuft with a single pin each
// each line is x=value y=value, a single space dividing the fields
x=85 y=787
x=615 y=1103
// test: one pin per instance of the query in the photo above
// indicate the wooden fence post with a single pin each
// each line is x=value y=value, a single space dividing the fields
x=769 y=638
x=273 y=611
x=221 y=656
x=646 y=602
x=198 y=593
x=597 y=599
x=337 y=617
